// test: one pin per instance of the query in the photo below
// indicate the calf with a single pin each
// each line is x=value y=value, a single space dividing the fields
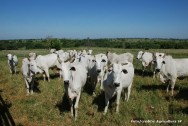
x=12 y=63
x=28 y=76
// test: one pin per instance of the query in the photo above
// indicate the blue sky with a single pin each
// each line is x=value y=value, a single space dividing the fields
x=25 y=19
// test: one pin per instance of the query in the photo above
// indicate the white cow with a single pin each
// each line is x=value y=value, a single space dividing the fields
x=115 y=58
x=115 y=81
x=86 y=60
x=89 y=52
x=84 y=52
x=12 y=62
x=52 y=50
x=59 y=51
x=32 y=55
x=43 y=63
x=147 y=60
x=98 y=70
x=75 y=76
x=157 y=57
x=171 y=69
x=28 y=75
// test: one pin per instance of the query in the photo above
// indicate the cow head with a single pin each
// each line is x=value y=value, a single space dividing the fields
x=9 y=56
x=101 y=62
x=159 y=61
x=66 y=72
x=139 y=55
x=33 y=66
x=89 y=52
x=119 y=71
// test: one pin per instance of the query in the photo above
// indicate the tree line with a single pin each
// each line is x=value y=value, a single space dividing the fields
x=127 y=43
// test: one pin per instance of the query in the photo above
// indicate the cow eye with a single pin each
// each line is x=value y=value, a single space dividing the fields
x=154 y=61
x=163 y=62
x=103 y=60
x=93 y=60
x=160 y=55
x=124 y=71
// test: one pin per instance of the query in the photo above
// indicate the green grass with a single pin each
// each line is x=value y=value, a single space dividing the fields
x=48 y=106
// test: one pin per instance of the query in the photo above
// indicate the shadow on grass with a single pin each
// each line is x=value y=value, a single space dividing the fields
x=88 y=88
x=5 y=116
x=185 y=110
x=17 y=72
x=152 y=87
x=54 y=76
x=35 y=87
x=63 y=105
x=100 y=101
x=178 y=109
x=147 y=73
x=182 y=94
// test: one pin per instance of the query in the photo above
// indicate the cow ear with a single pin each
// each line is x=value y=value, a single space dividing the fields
x=164 y=55
x=107 y=53
x=124 y=71
x=124 y=64
x=73 y=69
x=28 y=59
x=163 y=62
x=110 y=66
x=153 y=54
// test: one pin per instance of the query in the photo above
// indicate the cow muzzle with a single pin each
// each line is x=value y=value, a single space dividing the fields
x=66 y=82
x=116 y=84
x=98 y=70
x=157 y=70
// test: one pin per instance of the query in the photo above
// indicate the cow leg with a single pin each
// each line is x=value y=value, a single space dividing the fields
x=143 y=69
x=153 y=74
x=44 y=76
x=47 y=74
x=106 y=103
x=172 y=87
x=60 y=75
x=154 y=71
x=76 y=106
x=101 y=87
x=32 y=85
x=128 y=92
x=117 y=100
x=10 y=69
x=167 y=88
x=125 y=94
x=71 y=107
x=15 y=69
x=94 y=84
x=27 y=86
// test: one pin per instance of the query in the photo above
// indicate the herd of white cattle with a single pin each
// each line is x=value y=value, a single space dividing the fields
x=114 y=72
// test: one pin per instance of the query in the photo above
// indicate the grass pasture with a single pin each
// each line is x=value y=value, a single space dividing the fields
x=48 y=106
